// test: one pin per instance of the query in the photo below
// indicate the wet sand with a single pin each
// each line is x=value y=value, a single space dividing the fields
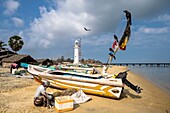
x=16 y=96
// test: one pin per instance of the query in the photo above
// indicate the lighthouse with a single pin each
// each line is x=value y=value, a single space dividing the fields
x=76 y=52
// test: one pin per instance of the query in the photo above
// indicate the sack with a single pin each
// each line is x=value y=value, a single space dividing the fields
x=80 y=97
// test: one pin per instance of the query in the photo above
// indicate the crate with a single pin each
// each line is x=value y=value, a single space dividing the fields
x=63 y=103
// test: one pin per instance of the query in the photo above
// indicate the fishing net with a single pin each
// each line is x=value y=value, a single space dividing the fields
x=67 y=92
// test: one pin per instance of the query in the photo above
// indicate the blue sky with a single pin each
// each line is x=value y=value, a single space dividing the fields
x=50 y=27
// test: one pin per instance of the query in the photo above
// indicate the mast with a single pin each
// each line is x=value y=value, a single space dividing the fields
x=80 y=52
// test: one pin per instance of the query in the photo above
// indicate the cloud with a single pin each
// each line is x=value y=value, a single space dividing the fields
x=54 y=26
x=59 y=26
x=17 y=22
x=162 y=18
x=11 y=6
x=147 y=37
x=160 y=30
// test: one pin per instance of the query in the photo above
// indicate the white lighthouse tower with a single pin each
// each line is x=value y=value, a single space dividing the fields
x=76 y=52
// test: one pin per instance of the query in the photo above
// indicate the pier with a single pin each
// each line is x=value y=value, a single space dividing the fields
x=142 y=64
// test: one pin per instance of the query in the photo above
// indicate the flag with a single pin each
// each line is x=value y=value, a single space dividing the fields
x=125 y=38
x=122 y=46
x=114 y=44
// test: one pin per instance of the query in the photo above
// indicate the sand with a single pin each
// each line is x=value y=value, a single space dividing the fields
x=16 y=96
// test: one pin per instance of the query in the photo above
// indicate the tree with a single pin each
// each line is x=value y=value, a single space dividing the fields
x=2 y=44
x=82 y=60
x=16 y=43
x=62 y=58
x=68 y=60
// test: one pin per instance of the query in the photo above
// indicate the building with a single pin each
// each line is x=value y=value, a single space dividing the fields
x=5 y=53
x=44 y=61
x=17 y=58
x=4 y=56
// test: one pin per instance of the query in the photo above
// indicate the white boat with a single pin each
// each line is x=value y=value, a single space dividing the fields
x=90 y=83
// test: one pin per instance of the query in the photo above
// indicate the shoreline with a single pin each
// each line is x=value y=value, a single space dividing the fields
x=156 y=84
x=162 y=85
x=17 y=96
x=143 y=76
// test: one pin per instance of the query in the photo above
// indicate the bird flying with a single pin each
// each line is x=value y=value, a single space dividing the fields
x=86 y=29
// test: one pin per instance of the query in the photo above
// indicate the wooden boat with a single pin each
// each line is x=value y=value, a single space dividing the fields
x=74 y=68
x=89 y=83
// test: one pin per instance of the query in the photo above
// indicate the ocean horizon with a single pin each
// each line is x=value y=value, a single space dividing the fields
x=159 y=75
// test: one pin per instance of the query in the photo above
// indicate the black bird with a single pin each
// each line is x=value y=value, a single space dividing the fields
x=86 y=29
x=128 y=16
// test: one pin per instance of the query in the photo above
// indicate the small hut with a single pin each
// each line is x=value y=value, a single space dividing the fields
x=4 y=56
x=17 y=58
x=44 y=62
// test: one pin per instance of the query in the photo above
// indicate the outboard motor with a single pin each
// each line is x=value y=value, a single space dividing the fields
x=123 y=75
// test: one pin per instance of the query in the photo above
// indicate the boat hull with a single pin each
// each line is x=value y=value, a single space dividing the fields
x=90 y=88
x=91 y=84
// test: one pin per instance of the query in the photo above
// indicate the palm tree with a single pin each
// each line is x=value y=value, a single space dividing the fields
x=2 y=44
x=16 y=43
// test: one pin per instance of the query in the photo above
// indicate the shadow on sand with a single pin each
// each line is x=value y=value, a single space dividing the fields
x=126 y=93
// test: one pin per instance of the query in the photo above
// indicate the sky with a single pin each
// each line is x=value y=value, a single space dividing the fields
x=50 y=27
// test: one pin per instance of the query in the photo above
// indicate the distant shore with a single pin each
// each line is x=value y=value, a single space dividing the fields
x=17 y=97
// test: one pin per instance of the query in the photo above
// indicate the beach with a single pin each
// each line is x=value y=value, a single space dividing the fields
x=16 y=96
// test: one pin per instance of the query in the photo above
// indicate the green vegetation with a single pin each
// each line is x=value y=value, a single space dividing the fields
x=2 y=45
x=16 y=43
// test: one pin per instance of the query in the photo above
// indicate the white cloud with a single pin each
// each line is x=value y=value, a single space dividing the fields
x=11 y=6
x=58 y=27
x=54 y=27
x=17 y=22
x=160 y=30
x=165 y=17
x=70 y=18
x=147 y=37
x=42 y=10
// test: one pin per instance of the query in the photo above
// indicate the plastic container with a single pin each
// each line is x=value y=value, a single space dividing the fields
x=63 y=103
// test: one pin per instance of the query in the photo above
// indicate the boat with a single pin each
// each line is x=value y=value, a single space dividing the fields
x=90 y=83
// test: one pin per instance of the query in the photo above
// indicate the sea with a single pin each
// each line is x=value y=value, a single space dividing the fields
x=160 y=76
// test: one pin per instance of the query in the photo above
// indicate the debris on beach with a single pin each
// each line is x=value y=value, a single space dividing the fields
x=80 y=97
x=66 y=99
x=21 y=73
x=66 y=92
x=77 y=95
x=69 y=91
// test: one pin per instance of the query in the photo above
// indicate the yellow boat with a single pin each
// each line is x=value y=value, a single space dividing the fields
x=89 y=83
